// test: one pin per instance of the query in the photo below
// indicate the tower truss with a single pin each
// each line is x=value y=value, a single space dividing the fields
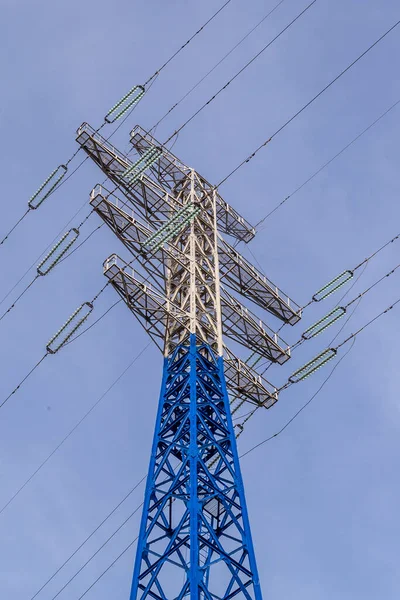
x=182 y=284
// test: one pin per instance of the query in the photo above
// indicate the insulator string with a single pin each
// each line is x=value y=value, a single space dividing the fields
x=290 y=421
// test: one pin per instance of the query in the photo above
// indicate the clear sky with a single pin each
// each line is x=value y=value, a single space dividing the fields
x=323 y=497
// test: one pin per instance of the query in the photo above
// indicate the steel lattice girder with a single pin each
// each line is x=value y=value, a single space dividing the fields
x=114 y=164
x=153 y=308
x=155 y=314
x=236 y=272
x=171 y=173
x=194 y=539
x=243 y=277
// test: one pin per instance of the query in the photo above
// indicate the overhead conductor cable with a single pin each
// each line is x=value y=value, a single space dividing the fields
x=126 y=103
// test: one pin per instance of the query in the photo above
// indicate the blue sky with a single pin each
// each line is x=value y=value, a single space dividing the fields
x=323 y=497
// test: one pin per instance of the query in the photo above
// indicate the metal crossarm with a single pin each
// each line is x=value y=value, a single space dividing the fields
x=242 y=326
x=150 y=307
x=243 y=277
x=244 y=383
x=172 y=174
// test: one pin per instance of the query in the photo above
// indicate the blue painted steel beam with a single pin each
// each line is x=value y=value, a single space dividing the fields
x=194 y=539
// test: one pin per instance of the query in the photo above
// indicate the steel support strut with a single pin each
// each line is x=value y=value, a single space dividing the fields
x=194 y=539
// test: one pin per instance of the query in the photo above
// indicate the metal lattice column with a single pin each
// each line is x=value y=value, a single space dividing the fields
x=195 y=539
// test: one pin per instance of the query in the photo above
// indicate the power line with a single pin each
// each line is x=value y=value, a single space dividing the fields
x=61 y=343
x=82 y=243
x=325 y=165
x=240 y=71
x=378 y=316
x=94 y=323
x=98 y=550
x=275 y=435
x=47 y=248
x=105 y=122
x=109 y=567
x=74 y=428
x=23 y=380
x=90 y=536
x=188 y=41
x=239 y=43
x=309 y=103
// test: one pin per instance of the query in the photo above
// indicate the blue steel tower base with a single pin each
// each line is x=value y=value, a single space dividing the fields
x=194 y=539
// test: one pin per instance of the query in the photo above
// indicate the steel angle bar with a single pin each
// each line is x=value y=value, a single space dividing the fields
x=134 y=235
x=104 y=154
x=172 y=173
x=241 y=276
x=150 y=307
x=245 y=383
x=242 y=326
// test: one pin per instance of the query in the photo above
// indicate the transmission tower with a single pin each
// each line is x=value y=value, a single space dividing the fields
x=195 y=540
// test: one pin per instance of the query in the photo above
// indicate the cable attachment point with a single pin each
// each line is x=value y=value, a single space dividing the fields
x=69 y=328
x=332 y=286
x=130 y=99
x=172 y=227
x=313 y=365
x=324 y=323
x=58 y=251
x=47 y=187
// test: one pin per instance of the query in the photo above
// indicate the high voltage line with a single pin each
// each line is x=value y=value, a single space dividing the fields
x=177 y=132
x=150 y=80
x=349 y=338
x=196 y=85
x=307 y=105
x=95 y=530
x=246 y=66
x=293 y=117
x=353 y=336
x=325 y=165
x=73 y=429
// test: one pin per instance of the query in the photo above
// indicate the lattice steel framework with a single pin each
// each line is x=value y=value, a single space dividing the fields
x=195 y=539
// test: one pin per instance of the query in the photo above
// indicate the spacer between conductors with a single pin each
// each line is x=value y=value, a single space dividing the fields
x=313 y=365
x=57 y=258
x=78 y=324
x=337 y=283
x=133 y=96
x=58 y=175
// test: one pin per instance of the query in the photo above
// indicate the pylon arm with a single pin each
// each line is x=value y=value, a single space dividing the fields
x=133 y=234
x=241 y=276
x=244 y=382
x=170 y=172
x=242 y=326
x=155 y=313
x=145 y=196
